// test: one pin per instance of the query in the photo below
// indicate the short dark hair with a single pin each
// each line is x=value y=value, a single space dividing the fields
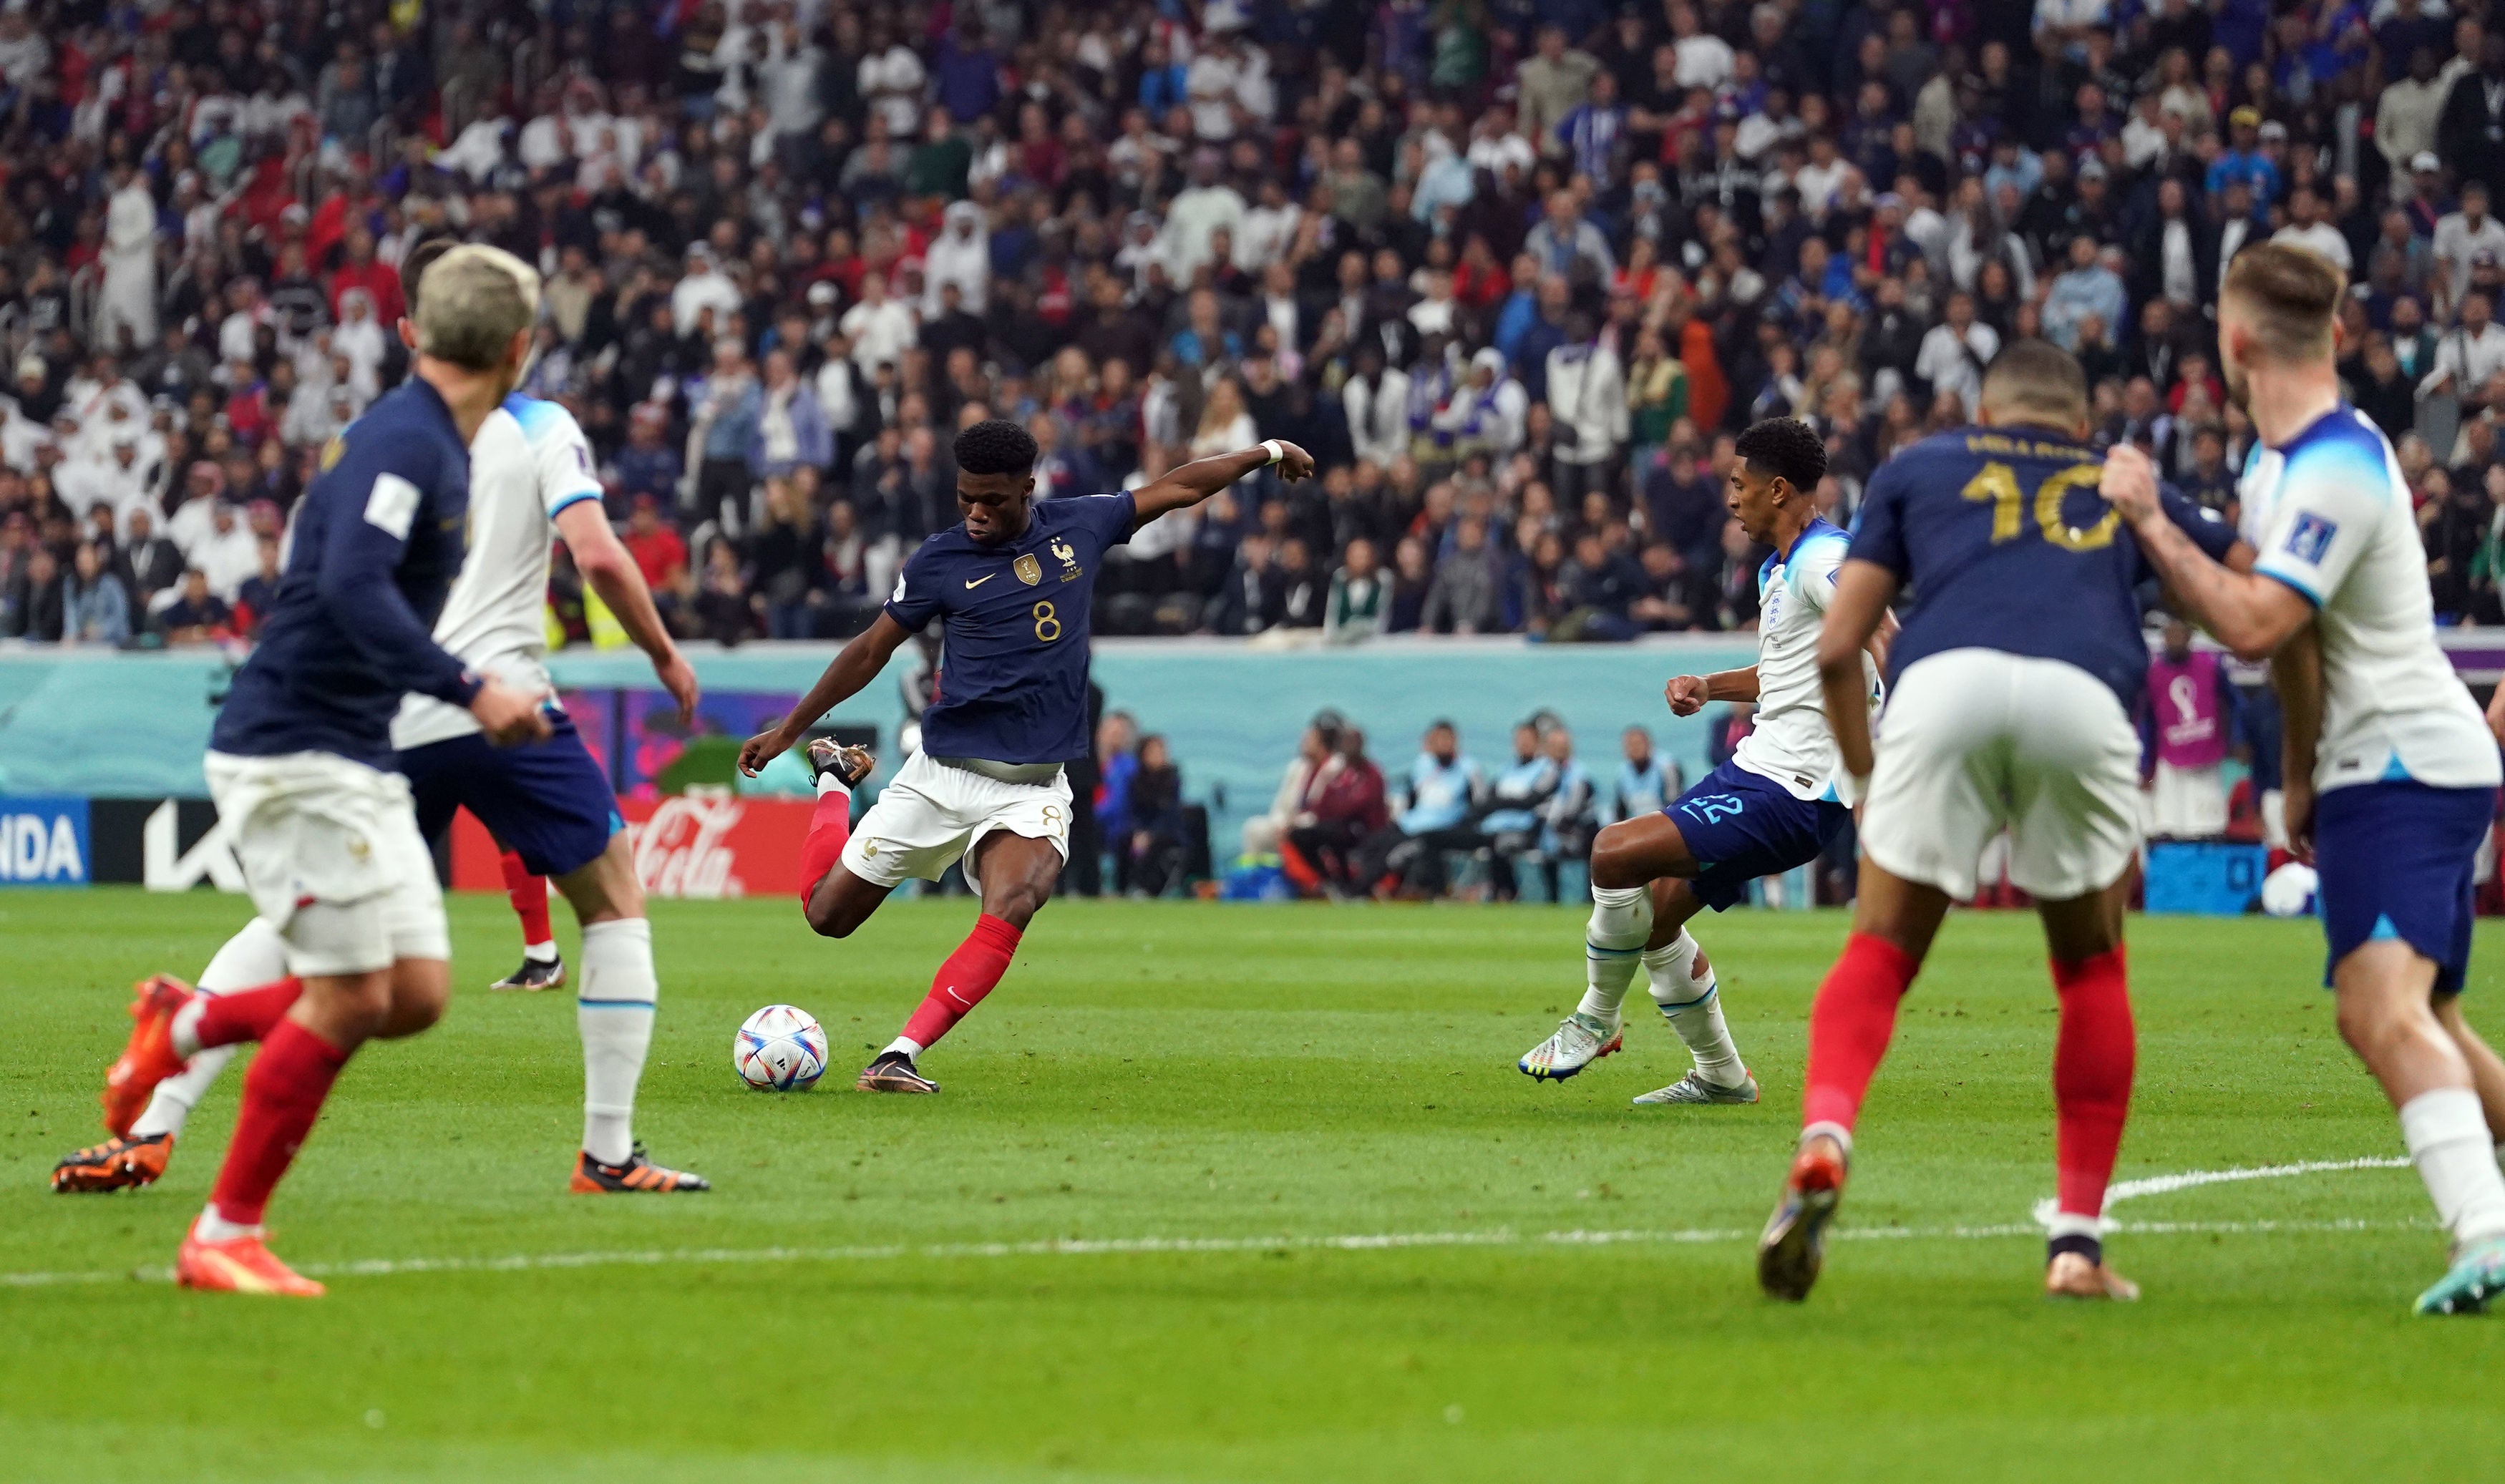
x=2038 y=376
x=996 y=446
x=413 y=264
x=1788 y=448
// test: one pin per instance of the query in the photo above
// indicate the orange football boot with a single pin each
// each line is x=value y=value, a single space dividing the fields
x=148 y=1057
x=638 y=1175
x=116 y=1164
x=239 y=1265
x=1793 y=1246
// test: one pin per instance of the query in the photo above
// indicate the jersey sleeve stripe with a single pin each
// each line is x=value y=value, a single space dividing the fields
x=569 y=500
x=2299 y=584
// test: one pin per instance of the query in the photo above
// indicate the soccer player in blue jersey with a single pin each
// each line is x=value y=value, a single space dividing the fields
x=301 y=765
x=1009 y=707
x=2012 y=685
x=531 y=482
x=1771 y=807
x=2390 y=774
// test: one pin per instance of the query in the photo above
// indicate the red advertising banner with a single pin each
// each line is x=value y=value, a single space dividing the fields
x=700 y=844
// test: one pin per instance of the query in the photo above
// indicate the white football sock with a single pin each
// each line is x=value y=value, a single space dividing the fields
x=828 y=783
x=255 y=956
x=2448 y=1139
x=1621 y=921
x=541 y=953
x=904 y=1043
x=613 y=1010
x=1692 y=1004
x=213 y=1227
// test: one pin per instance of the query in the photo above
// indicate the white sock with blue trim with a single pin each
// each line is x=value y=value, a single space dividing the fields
x=614 y=1009
x=1621 y=921
x=2448 y=1142
x=1683 y=983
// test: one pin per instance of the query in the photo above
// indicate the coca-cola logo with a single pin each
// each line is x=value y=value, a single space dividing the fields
x=683 y=849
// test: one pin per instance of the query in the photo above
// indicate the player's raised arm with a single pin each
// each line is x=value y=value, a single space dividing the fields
x=1863 y=590
x=858 y=663
x=1201 y=478
x=2251 y=614
x=604 y=562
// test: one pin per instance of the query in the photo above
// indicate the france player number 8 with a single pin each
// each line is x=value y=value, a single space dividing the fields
x=1046 y=628
x=1998 y=484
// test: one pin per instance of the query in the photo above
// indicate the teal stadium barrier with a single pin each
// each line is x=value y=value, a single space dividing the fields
x=134 y=726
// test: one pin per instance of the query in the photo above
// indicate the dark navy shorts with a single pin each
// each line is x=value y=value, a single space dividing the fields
x=2397 y=861
x=548 y=800
x=1739 y=826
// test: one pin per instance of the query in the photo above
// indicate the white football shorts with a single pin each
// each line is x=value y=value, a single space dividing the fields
x=1974 y=741
x=931 y=813
x=333 y=859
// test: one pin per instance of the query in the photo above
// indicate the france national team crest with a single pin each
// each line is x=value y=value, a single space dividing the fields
x=1068 y=557
x=1029 y=571
x=2309 y=537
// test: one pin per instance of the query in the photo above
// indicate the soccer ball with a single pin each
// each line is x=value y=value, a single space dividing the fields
x=781 y=1049
x=2288 y=892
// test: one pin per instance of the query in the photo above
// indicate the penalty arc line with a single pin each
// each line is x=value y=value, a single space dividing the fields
x=1080 y=1247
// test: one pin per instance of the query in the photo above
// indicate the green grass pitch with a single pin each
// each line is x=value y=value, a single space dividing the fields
x=1162 y=1074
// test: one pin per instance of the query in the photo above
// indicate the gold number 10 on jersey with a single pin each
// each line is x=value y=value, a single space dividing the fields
x=1998 y=483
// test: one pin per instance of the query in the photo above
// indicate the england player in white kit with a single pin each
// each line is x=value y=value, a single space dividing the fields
x=2390 y=772
x=1774 y=806
x=531 y=483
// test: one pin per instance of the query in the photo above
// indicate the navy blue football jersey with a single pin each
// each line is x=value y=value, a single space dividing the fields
x=2003 y=543
x=375 y=547
x=1012 y=685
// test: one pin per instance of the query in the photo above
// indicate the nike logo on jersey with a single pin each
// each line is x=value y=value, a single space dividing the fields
x=979 y=582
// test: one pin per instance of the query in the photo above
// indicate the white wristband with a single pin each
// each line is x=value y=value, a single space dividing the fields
x=1270 y=447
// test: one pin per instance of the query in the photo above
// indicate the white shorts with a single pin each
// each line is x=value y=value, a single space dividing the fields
x=1974 y=741
x=333 y=859
x=931 y=814
x=2187 y=803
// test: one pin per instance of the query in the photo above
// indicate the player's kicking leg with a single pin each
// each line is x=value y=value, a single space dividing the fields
x=252 y=963
x=528 y=891
x=614 y=1009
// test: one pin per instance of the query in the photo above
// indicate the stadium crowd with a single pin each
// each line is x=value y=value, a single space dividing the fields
x=1515 y=271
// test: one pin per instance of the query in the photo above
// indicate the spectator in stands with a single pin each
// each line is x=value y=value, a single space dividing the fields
x=197 y=616
x=1360 y=596
x=96 y=608
x=1442 y=789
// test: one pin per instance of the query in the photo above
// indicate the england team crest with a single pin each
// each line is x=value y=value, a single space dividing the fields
x=1029 y=571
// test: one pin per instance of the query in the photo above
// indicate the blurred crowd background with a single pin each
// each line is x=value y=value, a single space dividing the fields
x=1515 y=271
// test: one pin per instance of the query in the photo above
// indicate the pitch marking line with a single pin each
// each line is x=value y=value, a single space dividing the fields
x=1078 y=1247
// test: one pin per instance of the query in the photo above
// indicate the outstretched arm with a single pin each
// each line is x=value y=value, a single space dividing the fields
x=856 y=666
x=2250 y=614
x=1857 y=608
x=604 y=564
x=1201 y=478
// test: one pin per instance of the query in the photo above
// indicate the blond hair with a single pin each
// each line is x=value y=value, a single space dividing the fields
x=2294 y=292
x=477 y=299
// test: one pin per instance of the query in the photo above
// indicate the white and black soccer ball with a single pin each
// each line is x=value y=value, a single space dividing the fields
x=2288 y=892
x=781 y=1049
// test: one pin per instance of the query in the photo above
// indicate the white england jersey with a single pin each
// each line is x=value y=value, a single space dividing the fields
x=1791 y=744
x=528 y=462
x=2329 y=515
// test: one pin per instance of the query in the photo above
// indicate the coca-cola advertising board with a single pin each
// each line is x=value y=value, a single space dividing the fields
x=701 y=843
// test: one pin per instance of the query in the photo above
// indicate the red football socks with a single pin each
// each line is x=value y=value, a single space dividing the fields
x=1849 y=1026
x=969 y=974
x=282 y=1095
x=529 y=896
x=246 y=1014
x=830 y=827
x=2092 y=1069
